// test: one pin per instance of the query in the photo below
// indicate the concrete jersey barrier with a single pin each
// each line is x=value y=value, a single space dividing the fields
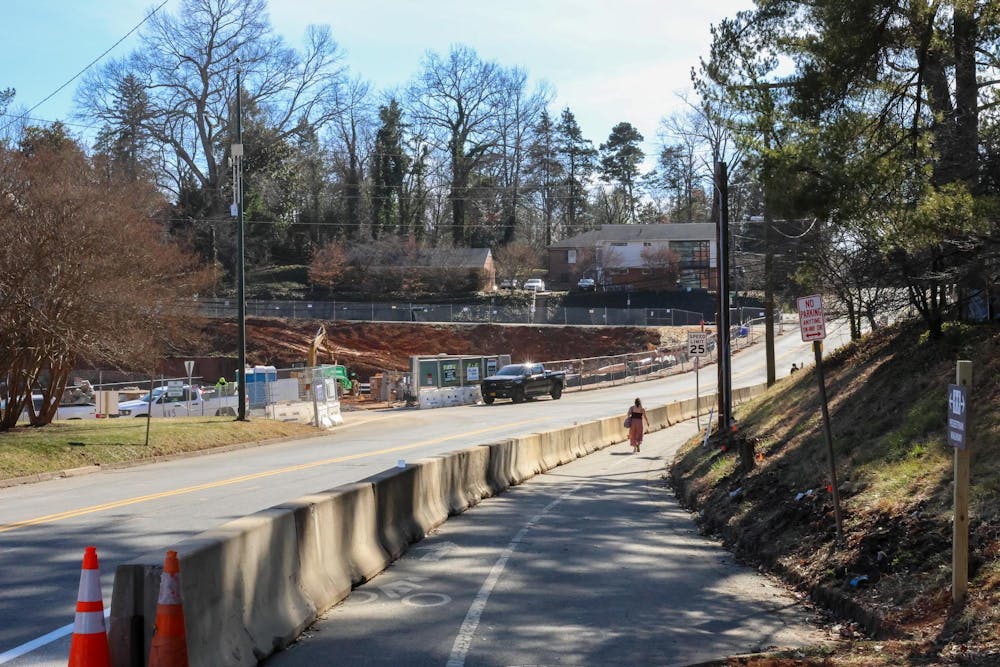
x=250 y=586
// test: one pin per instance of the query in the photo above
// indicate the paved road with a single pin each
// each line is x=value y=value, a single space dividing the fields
x=592 y=563
x=126 y=513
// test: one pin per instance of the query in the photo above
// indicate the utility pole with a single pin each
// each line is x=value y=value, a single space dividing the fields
x=725 y=373
x=237 y=153
x=768 y=301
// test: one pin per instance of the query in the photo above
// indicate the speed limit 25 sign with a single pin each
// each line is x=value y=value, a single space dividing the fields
x=697 y=343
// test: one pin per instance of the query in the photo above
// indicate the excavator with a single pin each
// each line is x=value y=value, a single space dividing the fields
x=339 y=372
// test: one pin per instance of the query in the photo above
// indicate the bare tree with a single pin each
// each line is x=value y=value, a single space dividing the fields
x=67 y=231
x=459 y=99
x=353 y=142
x=188 y=63
x=517 y=260
x=518 y=114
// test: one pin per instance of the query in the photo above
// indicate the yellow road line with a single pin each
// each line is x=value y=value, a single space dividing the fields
x=93 y=509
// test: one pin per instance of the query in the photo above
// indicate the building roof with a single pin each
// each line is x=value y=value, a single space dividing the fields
x=452 y=258
x=677 y=231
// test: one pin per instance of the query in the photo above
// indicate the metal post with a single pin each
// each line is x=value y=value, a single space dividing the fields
x=818 y=351
x=241 y=362
x=697 y=395
x=960 y=527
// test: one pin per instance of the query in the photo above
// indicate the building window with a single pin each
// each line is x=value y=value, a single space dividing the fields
x=571 y=256
x=619 y=244
x=647 y=244
x=692 y=254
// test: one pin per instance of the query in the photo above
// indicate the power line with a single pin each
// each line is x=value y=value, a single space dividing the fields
x=89 y=65
x=20 y=116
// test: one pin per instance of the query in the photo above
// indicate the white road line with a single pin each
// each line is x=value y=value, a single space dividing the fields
x=28 y=647
x=460 y=649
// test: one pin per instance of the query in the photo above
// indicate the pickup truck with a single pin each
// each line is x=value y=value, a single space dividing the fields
x=520 y=381
x=201 y=403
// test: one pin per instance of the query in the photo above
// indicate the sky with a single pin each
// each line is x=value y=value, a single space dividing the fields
x=607 y=60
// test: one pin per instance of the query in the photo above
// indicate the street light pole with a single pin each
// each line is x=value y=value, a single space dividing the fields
x=241 y=361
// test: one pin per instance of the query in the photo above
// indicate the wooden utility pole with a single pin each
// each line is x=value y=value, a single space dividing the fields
x=769 y=302
x=725 y=375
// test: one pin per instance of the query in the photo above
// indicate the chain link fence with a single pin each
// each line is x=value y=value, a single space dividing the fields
x=537 y=312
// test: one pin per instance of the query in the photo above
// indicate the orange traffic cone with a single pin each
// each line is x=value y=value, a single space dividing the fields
x=169 y=647
x=89 y=647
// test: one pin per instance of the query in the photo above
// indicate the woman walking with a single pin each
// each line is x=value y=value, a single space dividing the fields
x=636 y=415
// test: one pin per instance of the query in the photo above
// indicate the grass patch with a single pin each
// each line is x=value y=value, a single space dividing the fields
x=73 y=444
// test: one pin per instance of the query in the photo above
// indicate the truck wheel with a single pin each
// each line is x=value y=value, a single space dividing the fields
x=518 y=396
x=488 y=400
x=556 y=392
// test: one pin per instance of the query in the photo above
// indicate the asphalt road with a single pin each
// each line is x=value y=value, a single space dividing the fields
x=44 y=527
x=592 y=563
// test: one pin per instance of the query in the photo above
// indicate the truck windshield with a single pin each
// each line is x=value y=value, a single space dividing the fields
x=515 y=369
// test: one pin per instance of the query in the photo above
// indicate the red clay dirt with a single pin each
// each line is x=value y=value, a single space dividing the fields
x=370 y=347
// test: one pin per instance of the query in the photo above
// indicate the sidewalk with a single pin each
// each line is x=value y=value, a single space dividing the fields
x=592 y=563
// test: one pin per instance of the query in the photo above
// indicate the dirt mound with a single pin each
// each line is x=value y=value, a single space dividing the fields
x=369 y=347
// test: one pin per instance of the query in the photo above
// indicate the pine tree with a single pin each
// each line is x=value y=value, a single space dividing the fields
x=620 y=161
x=578 y=157
x=545 y=172
x=391 y=165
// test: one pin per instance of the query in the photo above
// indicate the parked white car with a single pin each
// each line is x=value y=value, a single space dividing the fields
x=64 y=411
x=534 y=285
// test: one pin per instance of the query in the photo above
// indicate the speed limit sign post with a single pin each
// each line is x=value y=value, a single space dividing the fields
x=697 y=348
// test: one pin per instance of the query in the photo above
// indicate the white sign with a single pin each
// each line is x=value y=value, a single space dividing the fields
x=957 y=415
x=472 y=373
x=175 y=388
x=697 y=343
x=189 y=367
x=812 y=324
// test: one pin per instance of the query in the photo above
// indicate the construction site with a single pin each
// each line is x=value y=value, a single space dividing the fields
x=372 y=347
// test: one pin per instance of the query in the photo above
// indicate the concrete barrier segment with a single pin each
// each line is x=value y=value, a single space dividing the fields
x=465 y=477
x=500 y=465
x=324 y=574
x=527 y=457
x=353 y=526
x=133 y=613
x=243 y=587
x=613 y=430
x=408 y=503
x=687 y=408
x=674 y=414
x=550 y=447
x=590 y=439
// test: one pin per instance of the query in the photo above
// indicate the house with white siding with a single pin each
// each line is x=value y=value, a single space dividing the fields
x=650 y=257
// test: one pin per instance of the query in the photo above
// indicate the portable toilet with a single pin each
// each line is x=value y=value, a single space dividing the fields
x=258 y=379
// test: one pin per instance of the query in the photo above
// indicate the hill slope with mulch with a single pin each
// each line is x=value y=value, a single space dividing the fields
x=892 y=573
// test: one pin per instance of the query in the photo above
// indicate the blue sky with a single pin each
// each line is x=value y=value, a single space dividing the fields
x=608 y=60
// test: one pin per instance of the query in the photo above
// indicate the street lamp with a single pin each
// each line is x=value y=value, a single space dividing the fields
x=237 y=153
